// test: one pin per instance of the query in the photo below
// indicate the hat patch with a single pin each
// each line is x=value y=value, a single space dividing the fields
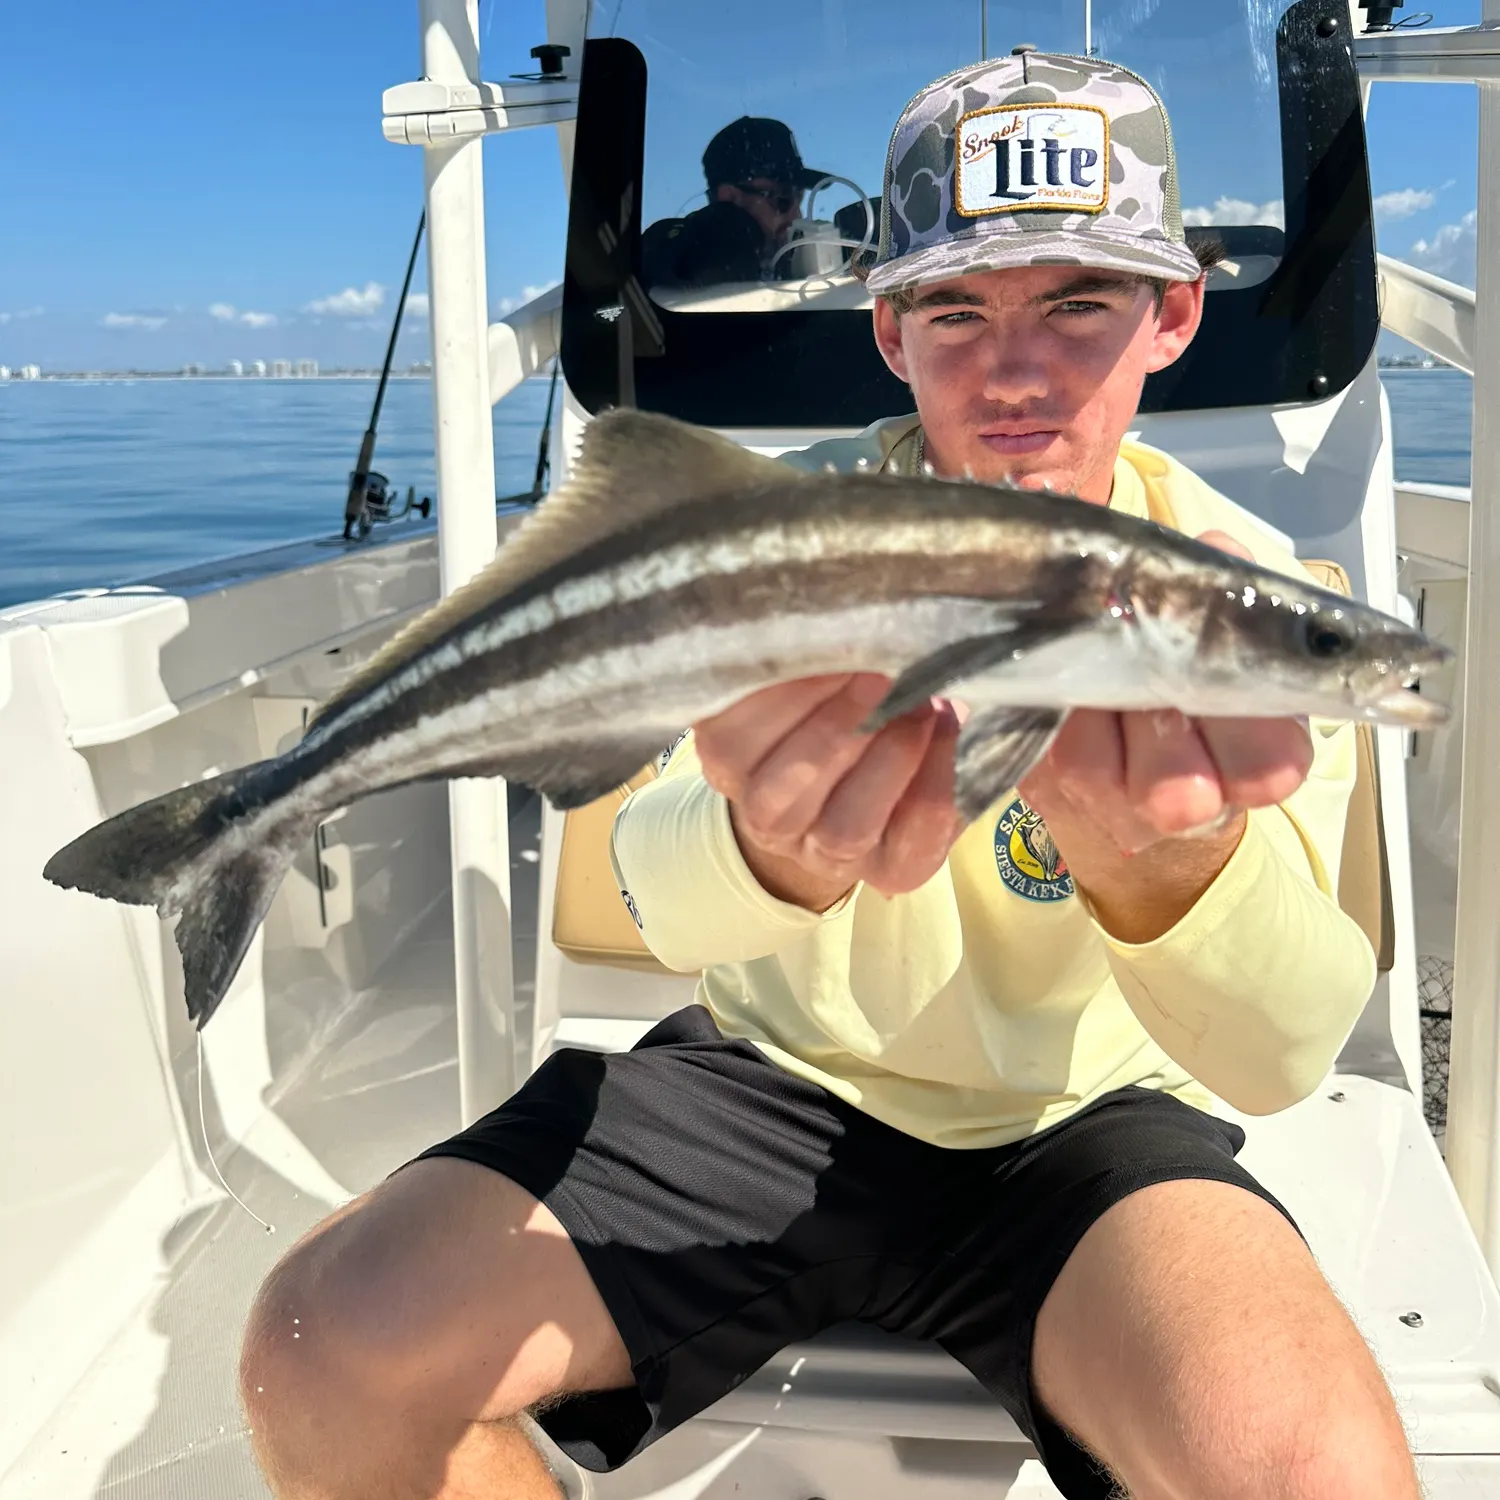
x=1032 y=156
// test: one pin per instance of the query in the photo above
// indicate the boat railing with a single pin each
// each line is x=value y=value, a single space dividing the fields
x=1435 y=315
x=1465 y=330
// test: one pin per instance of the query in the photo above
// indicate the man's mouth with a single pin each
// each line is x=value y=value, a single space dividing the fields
x=1017 y=442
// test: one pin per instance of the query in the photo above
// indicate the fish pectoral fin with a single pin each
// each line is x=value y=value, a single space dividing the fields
x=955 y=663
x=996 y=750
x=575 y=775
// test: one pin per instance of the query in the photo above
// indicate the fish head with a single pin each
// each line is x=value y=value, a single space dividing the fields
x=1275 y=645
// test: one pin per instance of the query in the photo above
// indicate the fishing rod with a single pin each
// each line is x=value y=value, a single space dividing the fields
x=369 y=498
x=543 y=453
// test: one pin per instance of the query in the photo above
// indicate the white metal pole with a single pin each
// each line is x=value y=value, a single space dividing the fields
x=1473 y=1134
x=458 y=313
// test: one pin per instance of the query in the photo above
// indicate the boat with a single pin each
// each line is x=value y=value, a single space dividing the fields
x=433 y=944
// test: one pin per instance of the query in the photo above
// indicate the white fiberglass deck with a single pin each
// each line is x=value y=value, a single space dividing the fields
x=157 y=1414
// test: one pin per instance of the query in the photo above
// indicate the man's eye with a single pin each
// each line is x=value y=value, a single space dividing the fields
x=954 y=318
x=1078 y=307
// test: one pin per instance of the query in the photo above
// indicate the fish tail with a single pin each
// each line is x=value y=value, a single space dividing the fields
x=204 y=852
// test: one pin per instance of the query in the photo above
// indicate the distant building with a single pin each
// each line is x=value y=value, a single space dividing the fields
x=419 y=367
x=307 y=368
x=192 y=370
x=281 y=368
x=31 y=372
x=257 y=367
x=4 y=372
x=235 y=367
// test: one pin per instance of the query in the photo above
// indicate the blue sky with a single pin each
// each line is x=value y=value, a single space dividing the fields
x=191 y=180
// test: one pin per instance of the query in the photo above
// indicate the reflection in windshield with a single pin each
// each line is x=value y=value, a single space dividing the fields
x=756 y=180
x=753 y=226
x=747 y=107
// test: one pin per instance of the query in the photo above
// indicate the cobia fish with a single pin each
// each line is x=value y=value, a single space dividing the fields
x=674 y=573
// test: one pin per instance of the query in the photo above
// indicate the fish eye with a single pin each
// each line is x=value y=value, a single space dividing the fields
x=1326 y=638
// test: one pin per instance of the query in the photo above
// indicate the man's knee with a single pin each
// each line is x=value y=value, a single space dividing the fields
x=327 y=1344
x=447 y=1297
x=1318 y=1441
x=1161 y=1350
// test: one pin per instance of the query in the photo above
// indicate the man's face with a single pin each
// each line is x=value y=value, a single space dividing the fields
x=1034 y=375
x=773 y=205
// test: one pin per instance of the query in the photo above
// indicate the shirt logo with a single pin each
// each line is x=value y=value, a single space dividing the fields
x=1032 y=156
x=630 y=906
x=1030 y=864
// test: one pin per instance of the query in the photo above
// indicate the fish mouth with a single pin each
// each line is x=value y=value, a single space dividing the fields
x=1408 y=708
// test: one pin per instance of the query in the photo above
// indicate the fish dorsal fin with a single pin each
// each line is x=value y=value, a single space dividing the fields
x=632 y=465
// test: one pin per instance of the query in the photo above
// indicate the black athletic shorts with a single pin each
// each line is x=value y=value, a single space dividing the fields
x=726 y=1209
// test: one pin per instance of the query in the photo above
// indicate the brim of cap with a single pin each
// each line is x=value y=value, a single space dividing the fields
x=1012 y=249
x=808 y=179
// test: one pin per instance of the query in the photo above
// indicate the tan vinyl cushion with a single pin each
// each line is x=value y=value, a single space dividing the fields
x=1364 y=875
x=591 y=923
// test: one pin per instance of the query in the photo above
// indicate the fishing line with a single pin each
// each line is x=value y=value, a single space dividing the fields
x=203 y=1126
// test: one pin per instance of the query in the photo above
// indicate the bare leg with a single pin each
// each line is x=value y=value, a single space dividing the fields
x=390 y=1350
x=1193 y=1345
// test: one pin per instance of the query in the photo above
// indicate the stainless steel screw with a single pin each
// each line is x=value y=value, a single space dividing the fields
x=1338 y=1096
x=1412 y=1319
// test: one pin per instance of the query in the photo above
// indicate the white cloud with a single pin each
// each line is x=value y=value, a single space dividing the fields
x=132 y=320
x=1402 y=203
x=22 y=315
x=226 y=312
x=416 y=305
x=351 y=302
x=1237 y=211
x=1450 y=252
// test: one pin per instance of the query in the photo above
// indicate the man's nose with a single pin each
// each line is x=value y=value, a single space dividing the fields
x=1015 y=370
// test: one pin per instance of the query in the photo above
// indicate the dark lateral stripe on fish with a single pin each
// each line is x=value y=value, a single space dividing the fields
x=828 y=587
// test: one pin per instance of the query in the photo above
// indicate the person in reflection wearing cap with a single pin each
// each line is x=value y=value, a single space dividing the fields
x=756 y=182
x=964 y=1085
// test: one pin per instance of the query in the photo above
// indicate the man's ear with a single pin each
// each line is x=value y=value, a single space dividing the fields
x=1176 y=323
x=888 y=338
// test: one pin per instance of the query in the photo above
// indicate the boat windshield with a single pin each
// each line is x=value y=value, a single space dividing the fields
x=822 y=83
x=729 y=162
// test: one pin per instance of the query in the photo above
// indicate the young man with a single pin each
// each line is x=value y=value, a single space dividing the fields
x=756 y=181
x=953 y=1082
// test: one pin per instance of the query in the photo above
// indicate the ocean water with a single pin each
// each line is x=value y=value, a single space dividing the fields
x=111 y=481
x=105 y=482
x=1431 y=423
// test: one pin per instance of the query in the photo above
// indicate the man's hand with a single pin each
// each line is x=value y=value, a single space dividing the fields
x=816 y=805
x=1118 y=789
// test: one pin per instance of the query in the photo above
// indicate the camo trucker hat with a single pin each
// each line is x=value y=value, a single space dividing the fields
x=1030 y=160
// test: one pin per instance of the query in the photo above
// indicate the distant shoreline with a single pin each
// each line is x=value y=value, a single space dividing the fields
x=120 y=377
x=106 y=377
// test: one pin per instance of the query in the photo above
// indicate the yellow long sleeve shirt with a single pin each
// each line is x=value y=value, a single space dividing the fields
x=989 y=1003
